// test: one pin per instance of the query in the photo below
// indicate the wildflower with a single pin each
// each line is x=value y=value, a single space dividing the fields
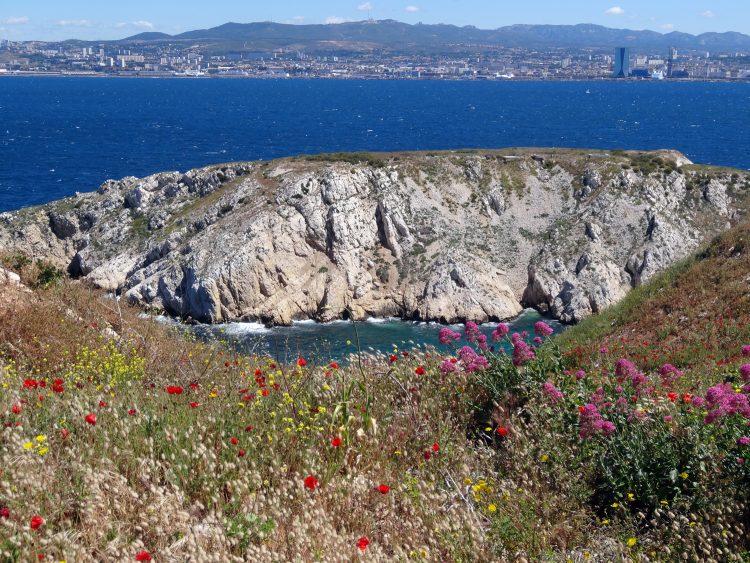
x=447 y=336
x=745 y=372
x=668 y=418
x=471 y=331
x=435 y=447
x=57 y=386
x=492 y=508
x=669 y=373
x=632 y=542
x=580 y=374
x=746 y=350
x=482 y=342
x=522 y=352
x=103 y=404
x=448 y=367
x=552 y=392
x=672 y=397
x=16 y=408
x=248 y=429
x=684 y=475
x=427 y=455
x=383 y=489
x=334 y=365
x=741 y=460
x=744 y=441
x=28 y=445
x=336 y=442
x=502 y=431
x=542 y=329
x=30 y=384
x=4 y=512
x=392 y=358
x=131 y=412
x=419 y=370
x=241 y=453
x=362 y=543
x=311 y=482
x=501 y=330
x=234 y=440
x=174 y=390
x=544 y=458
x=193 y=405
x=36 y=522
x=143 y=555
x=64 y=433
x=301 y=362
x=90 y=419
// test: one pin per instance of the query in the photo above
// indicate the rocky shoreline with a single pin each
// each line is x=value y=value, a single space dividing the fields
x=448 y=237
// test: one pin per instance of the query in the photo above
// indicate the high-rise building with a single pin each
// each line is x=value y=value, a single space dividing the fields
x=670 y=61
x=622 y=62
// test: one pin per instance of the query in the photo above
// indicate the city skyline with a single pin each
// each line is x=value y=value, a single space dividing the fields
x=82 y=19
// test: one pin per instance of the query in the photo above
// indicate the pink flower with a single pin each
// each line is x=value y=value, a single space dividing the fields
x=745 y=372
x=471 y=331
x=746 y=350
x=542 y=329
x=552 y=392
x=580 y=374
x=744 y=441
x=447 y=336
x=501 y=330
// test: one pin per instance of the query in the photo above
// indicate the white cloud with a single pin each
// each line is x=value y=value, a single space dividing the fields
x=667 y=27
x=140 y=24
x=411 y=9
x=75 y=23
x=336 y=19
x=15 y=20
x=709 y=14
x=366 y=7
x=296 y=20
x=615 y=11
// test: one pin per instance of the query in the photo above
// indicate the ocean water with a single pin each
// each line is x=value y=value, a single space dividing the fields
x=62 y=135
x=339 y=339
x=59 y=136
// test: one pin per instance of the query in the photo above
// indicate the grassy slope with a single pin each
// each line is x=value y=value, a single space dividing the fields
x=693 y=315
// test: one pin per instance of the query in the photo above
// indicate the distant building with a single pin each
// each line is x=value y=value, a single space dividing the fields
x=622 y=63
x=671 y=60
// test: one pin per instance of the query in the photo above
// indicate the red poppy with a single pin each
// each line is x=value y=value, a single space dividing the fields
x=227 y=364
x=57 y=388
x=4 y=512
x=502 y=430
x=311 y=482
x=420 y=370
x=334 y=365
x=131 y=412
x=427 y=455
x=241 y=453
x=174 y=390
x=193 y=405
x=64 y=433
x=362 y=543
x=672 y=396
x=258 y=372
x=384 y=489
x=103 y=404
x=91 y=419
x=194 y=386
x=234 y=440
x=392 y=358
x=36 y=522
x=30 y=383
x=336 y=442
x=16 y=408
x=436 y=447
x=248 y=429
x=143 y=555
x=264 y=392
x=301 y=362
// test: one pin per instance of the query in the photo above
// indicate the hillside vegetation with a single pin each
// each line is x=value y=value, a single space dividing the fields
x=623 y=439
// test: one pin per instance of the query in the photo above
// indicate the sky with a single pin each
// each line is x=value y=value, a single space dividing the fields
x=106 y=19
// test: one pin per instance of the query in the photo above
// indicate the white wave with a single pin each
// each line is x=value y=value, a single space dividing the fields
x=379 y=320
x=245 y=328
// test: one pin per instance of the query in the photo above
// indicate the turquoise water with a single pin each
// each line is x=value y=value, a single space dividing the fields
x=323 y=342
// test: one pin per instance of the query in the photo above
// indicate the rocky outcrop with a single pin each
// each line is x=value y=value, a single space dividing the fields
x=441 y=236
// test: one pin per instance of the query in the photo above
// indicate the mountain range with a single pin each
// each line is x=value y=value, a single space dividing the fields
x=394 y=35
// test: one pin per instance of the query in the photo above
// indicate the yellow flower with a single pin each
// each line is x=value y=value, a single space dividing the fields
x=684 y=475
x=488 y=429
x=492 y=508
x=544 y=458
x=41 y=438
x=632 y=542
x=28 y=445
x=664 y=502
x=615 y=504
x=631 y=497
x=467 y=481
x=605 y=522
x=43 y=451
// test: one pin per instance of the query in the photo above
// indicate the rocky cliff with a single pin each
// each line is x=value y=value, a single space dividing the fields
x=434 y=236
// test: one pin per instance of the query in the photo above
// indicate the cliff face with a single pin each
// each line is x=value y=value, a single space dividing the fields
x=445 y=236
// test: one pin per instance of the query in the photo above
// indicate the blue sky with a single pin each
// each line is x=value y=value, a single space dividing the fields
x=106 y=19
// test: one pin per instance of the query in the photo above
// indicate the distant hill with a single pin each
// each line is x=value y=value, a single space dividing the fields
x=394 y=35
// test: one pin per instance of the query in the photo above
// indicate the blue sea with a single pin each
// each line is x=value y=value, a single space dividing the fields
x=62 y=135
x=59 y=136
